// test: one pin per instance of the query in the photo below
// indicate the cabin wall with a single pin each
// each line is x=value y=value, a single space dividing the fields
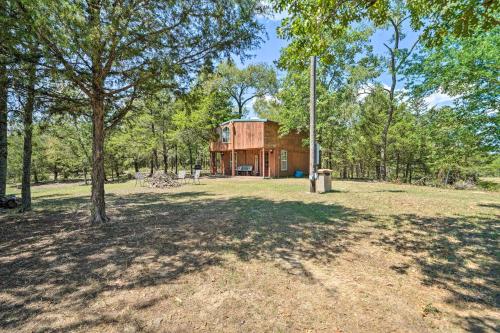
x=243 y=135
x=225 y=163
x=249 y=138
x=271 y=135
x=243 y=157
x=296 y=161
x=273 y=163
x=298 y=154
x=248 y=135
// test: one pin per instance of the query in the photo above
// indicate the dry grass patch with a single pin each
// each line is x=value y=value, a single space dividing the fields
x=253 y=255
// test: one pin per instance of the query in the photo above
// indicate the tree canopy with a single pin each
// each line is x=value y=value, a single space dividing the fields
x=98 y=90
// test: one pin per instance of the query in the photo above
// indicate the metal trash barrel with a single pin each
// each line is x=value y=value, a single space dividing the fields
x=324 y=182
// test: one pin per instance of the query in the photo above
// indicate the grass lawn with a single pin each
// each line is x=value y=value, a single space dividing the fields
x=240 y=255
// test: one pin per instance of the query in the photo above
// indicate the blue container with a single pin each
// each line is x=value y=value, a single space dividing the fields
x=298 y=174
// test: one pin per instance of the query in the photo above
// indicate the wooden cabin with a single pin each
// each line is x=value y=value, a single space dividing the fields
x=257 y=149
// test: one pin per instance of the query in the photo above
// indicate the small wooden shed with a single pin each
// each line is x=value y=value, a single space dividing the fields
x=257 y=149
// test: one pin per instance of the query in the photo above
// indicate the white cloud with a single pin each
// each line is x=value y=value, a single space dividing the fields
x=434 y=99
x=438 y=98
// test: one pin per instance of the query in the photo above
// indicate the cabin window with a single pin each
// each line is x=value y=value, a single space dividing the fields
x=225 y=135
x=284 y=160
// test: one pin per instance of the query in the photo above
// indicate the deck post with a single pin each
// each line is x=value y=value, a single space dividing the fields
x=213 y=164
x=233 y=159
x=263 y=163
x=233 y=163
x=222 y=164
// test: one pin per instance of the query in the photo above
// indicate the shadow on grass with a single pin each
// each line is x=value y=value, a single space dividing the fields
x=51 y=196
x=48 y=257
x=391 y=191
x=459 y=254
x=155 y=238
x=489 y=205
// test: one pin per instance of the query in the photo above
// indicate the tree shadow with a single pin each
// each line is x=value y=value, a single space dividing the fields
x=390 y=191
x=489 y=205
x=155 y=238
x=51 y=256
x=459 y=254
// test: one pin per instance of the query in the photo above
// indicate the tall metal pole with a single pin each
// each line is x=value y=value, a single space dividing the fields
x=312 y=126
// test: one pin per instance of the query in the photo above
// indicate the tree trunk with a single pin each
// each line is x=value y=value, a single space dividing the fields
x=151 y=165
x=155 y=151
x=35 y=175
x=165 y=156
x=136 y=165
x=407 y=172
x=397 y=166
x=28 y=133
x=155 y=159
x=393 y=70
x=85 y=175
x=240 y=110
x=4 y=84
x=385 y=133
x=190 y=158
x=98 y=205
x=56 y=173
x=176 y=161
x=447 y=177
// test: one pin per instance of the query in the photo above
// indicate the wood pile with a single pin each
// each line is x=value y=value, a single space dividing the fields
x=163 y=180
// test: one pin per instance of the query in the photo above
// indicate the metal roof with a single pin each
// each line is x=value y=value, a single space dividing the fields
x=260 y=120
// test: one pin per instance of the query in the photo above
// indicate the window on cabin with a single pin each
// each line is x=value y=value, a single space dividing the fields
x=225 y=135
x=284 y=160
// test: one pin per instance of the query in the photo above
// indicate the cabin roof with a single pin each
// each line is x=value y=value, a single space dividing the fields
x=258 y=120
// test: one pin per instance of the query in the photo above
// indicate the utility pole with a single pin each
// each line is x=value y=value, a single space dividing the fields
x=312 y=126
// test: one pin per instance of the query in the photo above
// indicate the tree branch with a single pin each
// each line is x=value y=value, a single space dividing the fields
x=409 y=53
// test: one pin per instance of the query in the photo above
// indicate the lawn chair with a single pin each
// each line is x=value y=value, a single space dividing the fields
x=196 y=176
x=182 y=175
x=139 y=178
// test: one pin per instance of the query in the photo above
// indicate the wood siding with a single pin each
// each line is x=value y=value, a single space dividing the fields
x=271 y=135
x=250 y=137
x=243 y=157
x=244 y=135
x=298 y=154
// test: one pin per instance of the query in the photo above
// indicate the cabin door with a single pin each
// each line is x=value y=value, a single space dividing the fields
x=256 y=164
x=266 y=164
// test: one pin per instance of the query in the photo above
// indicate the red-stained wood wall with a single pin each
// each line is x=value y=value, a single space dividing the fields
x=250 y=139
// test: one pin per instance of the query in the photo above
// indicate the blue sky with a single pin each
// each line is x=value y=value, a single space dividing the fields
x=269 y=52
